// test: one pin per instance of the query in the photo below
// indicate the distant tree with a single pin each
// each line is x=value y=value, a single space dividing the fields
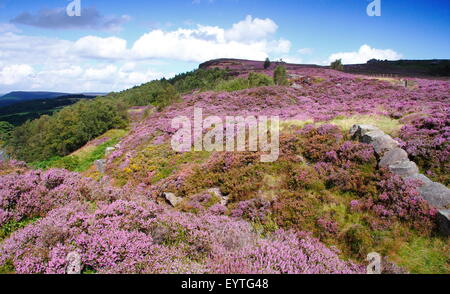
x=337 y=65
x=280 y=76
x=267 y=63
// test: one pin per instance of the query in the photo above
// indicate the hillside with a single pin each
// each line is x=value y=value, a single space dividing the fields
x=407 y=68
x=22 y=96
x=19 y=112
x=362 y=166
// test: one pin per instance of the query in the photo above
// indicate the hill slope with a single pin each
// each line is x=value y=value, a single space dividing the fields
x=320 y=208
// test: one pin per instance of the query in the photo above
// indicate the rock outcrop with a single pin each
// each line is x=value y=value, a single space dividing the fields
x=392 y=157
x=172 y=199
x=100 y=165
x=223 y=199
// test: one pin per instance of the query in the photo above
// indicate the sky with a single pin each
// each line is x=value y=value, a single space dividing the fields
x=112 y=45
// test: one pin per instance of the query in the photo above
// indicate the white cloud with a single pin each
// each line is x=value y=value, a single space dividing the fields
x=94 y=63
x=251 y=29
x=364 y=54
x=247 y=39
x=13 y=74
x=96 y=47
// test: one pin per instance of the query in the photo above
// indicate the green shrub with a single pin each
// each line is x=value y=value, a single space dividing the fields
x=280 y=76
x=233 y=85
x=337 y=65
x=259 y=80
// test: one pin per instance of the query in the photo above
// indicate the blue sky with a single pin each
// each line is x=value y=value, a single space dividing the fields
x=114 y=45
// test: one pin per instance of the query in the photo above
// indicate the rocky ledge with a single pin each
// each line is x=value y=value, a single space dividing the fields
x=396 y=159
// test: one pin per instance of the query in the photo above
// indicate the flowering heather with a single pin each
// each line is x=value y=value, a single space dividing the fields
x=337 y=95
x=142 y=237
x=427 y=142
x=35 y=193
x=399 y=198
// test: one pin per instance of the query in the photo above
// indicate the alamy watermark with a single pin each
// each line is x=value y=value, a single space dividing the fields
x=374 y=8
x=230 y=134
x=73 y=260
x=374 y=267
x=74 y=8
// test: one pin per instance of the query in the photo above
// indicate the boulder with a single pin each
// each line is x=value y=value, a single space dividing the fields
x=443 y=220
x=420 y=177
x=172 y=199
x=109 y=150
x=223 y=199
x=380 y=141
x=2 y=155
x=392 y=157
x=404 y=168
x=436 y=194
x=100 y=165
x=358 y=131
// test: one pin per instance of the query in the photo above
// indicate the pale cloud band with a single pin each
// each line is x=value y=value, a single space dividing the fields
x=364 y=54
x=94 y=63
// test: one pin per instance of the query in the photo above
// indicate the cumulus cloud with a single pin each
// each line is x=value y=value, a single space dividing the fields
x=251 y=29
x=58 y=19
x=364 y=54
x=94 y=63
x=246 y=39
x=96 y=47
x=10 y=75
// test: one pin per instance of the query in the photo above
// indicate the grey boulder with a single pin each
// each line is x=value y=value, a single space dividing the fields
x=100 y=165
x=358 y=131
x=380 y=141
x=223 y=199
x=404 y=168
x=394 y=156
x=436 y=194
x=422 y=178
x=172 y=199
x=443 y=220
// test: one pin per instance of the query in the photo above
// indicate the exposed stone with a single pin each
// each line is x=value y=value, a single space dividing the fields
x=404 y=168
x=396 y=159
x=392 y=157
x=380 y=141
x=424 y=179
x=443 y=220
x=173 y=199
x=101 y=165
x=358 y=131
x=436 y=194
x=109 y=150
x=223 y=199
x=2 y=155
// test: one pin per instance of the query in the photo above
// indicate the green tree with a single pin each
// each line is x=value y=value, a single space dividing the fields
x=5 y=131
x=337 y=65
x=267 y=63
x=280 y=76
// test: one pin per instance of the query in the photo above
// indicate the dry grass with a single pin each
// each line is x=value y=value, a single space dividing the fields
x=388 y=125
